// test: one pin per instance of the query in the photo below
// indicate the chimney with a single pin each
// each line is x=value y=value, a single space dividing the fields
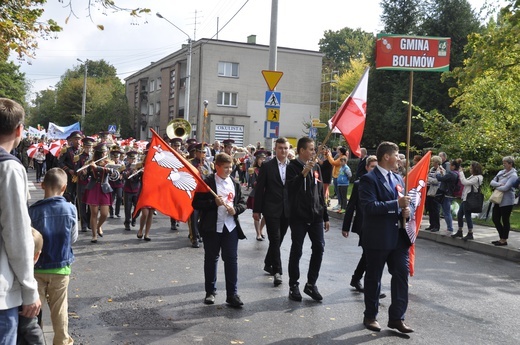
x=251 y=39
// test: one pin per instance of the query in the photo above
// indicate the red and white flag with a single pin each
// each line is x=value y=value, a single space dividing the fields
x=350 y=117
x=169 y=181
x=416 y=183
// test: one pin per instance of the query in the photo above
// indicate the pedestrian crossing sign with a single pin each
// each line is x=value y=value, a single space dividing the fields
x=272 y=99
x=112 y=129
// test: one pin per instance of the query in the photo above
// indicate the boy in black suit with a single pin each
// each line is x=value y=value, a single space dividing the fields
x=220 y=229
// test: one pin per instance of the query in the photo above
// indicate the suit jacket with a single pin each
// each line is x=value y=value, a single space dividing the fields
x=205 y=203
x=353 y=212
x=381 y=216
x=271 y=198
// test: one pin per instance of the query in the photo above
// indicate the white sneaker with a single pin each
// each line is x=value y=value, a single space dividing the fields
x=336 y=208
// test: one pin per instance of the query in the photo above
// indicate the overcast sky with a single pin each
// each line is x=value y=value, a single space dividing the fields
x=130 y=44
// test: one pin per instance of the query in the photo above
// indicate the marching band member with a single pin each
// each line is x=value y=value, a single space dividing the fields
x=67 y=162
x=205 y=170
x=176 y=144
x=117 y=185
x=132 y=186
x=98 y=194
x=84 y=157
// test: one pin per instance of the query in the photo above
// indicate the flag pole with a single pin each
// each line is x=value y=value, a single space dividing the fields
x=408 y=132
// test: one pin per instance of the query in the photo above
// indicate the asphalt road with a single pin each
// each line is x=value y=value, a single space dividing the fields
x=127 y=291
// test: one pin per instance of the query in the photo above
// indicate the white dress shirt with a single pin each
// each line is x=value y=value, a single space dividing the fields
x=225 y=189
x=282 y=168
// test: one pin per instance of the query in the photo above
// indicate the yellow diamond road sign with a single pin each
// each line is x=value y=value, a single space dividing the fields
x=273 y=114
x=272 y=78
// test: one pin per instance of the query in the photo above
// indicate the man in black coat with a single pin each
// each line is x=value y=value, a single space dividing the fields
x=307 y=215
x=354 y=217
x=272 y=201
x=220 y=229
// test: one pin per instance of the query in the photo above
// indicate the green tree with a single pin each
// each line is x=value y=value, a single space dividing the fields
x=12 y=82
x=343 y=45
x=486 y=95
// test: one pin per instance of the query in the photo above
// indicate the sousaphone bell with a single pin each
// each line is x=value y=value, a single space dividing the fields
x=178 y=128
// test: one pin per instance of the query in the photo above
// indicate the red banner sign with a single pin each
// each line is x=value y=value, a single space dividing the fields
x=413 y=53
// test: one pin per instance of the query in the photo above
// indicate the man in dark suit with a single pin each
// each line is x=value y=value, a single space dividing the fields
x=362 y=165
x=384 y=238
x=354 y=218
x=272 y=201
x=220 y=229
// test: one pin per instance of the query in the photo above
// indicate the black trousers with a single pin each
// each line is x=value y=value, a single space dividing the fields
x=276 y=230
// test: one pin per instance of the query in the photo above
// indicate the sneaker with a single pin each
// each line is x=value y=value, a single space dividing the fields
x=210 y=298
x=342 y=211
x=336 y=208
x=234 y=301
x=312 y=291
x=469 y=236
x=294 y=293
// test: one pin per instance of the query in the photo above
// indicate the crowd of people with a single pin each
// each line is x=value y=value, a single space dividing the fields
x=93 y=178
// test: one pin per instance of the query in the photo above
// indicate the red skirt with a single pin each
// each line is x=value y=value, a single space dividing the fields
x=96 y=197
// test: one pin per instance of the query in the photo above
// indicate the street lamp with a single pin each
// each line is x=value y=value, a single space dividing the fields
x=84 y=101
x=188 y=69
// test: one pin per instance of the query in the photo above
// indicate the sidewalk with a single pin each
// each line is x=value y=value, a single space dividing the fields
x=483 y=235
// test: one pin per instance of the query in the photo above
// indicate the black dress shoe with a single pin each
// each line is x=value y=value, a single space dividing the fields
x=382 y=295
x=312 y=291
x=294 y=293
x=147 y=239
x=234 y=301
x=371 y=324
x=277 y=279
x=499 y=244
x=428 y=228
x=400 y=326
x=195 y=244
x=356 y=284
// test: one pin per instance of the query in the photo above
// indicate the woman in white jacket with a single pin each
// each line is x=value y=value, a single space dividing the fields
x=472 y=182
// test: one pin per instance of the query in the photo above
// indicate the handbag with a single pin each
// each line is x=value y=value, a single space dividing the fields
x=496 y=197
x=474 y=201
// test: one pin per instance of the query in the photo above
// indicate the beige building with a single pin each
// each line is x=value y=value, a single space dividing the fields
x=228 y=75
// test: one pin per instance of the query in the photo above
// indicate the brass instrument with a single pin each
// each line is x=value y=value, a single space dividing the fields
x=178 y=128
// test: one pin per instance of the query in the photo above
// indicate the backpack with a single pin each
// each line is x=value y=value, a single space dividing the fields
x=458 y=188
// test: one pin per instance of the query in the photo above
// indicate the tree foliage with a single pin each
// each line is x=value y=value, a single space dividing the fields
x=20 y=24
x=105 y=99
x=12 y=82
x=486 y=95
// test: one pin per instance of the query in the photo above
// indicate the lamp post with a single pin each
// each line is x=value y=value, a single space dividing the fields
x=84 y=101
x=188 y=70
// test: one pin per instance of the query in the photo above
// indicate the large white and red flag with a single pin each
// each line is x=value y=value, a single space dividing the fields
x=350 y=117
x=416 y=183
x=169 y=181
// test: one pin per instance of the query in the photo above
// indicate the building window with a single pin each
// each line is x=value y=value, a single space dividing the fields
x=159 y=83
x=157 y=108
x=228 y=99
x=228 y=69
x=152 y=85
x=150 y=109
x=171 y=112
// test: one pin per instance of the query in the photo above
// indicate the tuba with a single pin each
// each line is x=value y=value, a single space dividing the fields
x=178 y=128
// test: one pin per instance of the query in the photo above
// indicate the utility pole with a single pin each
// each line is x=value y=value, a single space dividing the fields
x=84 y=101
x=273 y=52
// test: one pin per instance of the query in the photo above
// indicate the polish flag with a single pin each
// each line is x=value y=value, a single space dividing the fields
x=350 y=117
